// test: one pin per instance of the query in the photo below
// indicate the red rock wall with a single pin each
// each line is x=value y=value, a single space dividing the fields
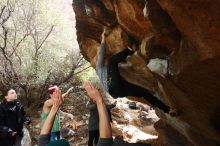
x=186 y=32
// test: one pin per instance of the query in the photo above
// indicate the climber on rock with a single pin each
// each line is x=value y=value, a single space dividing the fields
x=108 y=72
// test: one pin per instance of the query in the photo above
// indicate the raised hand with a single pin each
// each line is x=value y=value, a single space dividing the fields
x=104 y=34
x=92 y=92
x=57 y=98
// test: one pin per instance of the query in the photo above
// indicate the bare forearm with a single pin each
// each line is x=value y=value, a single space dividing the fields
x=104 y=122
x=67 y=92
x=46 y=129
x=65 y=114
x=103 y=40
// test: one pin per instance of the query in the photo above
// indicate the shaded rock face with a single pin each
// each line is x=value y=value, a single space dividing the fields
x=186 y=35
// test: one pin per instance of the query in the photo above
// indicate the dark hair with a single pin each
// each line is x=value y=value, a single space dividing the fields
x=4 y=92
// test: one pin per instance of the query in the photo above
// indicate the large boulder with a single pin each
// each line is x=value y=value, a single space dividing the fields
x=185 y=35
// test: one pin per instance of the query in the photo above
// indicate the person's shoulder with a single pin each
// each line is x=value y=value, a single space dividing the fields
x=3 y=105
x=48 y=102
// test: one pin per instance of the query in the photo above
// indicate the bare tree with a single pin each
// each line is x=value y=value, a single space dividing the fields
x=22 y=53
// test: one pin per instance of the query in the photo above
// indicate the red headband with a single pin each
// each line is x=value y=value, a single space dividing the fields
x=51 y=89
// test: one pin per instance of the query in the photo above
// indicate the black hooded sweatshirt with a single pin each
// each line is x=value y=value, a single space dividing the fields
x=12 y=118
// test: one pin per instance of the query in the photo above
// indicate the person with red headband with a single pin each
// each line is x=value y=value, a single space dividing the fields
x=55 y=132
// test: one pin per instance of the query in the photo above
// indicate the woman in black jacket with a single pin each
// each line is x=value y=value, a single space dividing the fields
x=12 y=118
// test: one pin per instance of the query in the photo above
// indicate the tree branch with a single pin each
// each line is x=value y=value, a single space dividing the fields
x=38 y=46
x=19 y=58
x=82 y=70
x=48 y=34
x=2 y=11
x=15 y=47
x=6 y=19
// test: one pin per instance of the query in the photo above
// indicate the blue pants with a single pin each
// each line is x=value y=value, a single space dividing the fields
x=55 y=136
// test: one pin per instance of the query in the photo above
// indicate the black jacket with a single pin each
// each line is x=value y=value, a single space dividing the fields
x=12 y=118
x=94 y=115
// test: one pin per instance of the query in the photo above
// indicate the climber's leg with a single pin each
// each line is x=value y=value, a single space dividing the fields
x=114 y=77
